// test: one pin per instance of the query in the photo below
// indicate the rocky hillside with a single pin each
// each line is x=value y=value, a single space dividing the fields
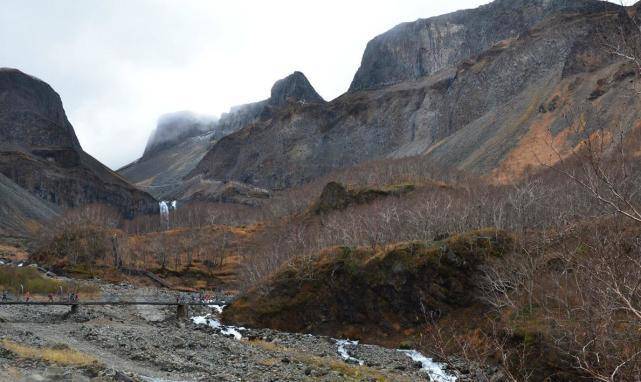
x=39 y=153
x=21 y=213
x=160 y=172
x=175 y=149
x=492 y=107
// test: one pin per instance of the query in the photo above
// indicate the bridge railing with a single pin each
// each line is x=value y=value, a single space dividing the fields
x=182 y=307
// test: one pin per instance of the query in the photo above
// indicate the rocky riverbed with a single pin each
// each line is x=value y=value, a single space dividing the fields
x=136 y=343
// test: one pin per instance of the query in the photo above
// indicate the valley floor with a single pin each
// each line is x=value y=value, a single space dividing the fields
x=147 y=344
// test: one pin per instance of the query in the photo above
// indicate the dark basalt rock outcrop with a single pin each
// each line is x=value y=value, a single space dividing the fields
x=40 y=153
x=293 y=88
x=423 y=47
x=31 y=114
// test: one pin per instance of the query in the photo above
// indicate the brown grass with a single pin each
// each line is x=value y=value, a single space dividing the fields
x=11 y=278
x=61 y=355
x=348 y=372
x=13 y=252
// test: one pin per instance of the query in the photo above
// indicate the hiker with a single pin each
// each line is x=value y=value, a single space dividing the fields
x=50 y=295
x=27 y=296
x=4 y=295
x=201 y=296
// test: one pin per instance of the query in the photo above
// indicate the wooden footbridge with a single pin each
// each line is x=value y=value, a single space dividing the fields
x=182 y=310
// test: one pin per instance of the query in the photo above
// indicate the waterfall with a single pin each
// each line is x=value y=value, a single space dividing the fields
x=164 y=211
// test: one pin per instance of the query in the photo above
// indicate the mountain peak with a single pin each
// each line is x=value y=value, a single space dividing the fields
x=175 y=127
x=32 y=114
x=41 y=154
x=295 y=87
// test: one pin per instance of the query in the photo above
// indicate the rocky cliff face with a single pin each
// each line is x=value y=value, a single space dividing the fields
x=293 y=88
x=163 y=166
x=423 y=47
x=32 y=115
x=491 y=113
x=239 y=116
x=40 y=153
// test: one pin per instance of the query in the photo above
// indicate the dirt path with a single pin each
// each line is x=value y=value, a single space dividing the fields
x=60 y=334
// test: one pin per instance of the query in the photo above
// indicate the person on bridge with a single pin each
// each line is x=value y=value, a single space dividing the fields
x=50 y=295
x=4 y=295
x=27 y=296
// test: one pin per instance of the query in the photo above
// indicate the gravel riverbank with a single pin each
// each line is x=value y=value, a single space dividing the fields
x=133 y=343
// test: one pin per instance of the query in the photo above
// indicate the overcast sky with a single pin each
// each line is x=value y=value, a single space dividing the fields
x=118 y=65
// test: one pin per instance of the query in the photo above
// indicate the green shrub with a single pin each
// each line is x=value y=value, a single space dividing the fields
x=11 y=279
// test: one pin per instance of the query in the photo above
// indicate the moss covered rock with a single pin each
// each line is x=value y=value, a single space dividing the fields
x=336 y=196
x=353 y=292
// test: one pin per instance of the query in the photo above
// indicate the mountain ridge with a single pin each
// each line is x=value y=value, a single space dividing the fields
x=474 y=111
x=162 y=169
x=297 y=144
x=438 y=42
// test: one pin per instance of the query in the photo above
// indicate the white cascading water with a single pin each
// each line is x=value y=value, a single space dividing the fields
x=164 y=209
x=164 y=213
